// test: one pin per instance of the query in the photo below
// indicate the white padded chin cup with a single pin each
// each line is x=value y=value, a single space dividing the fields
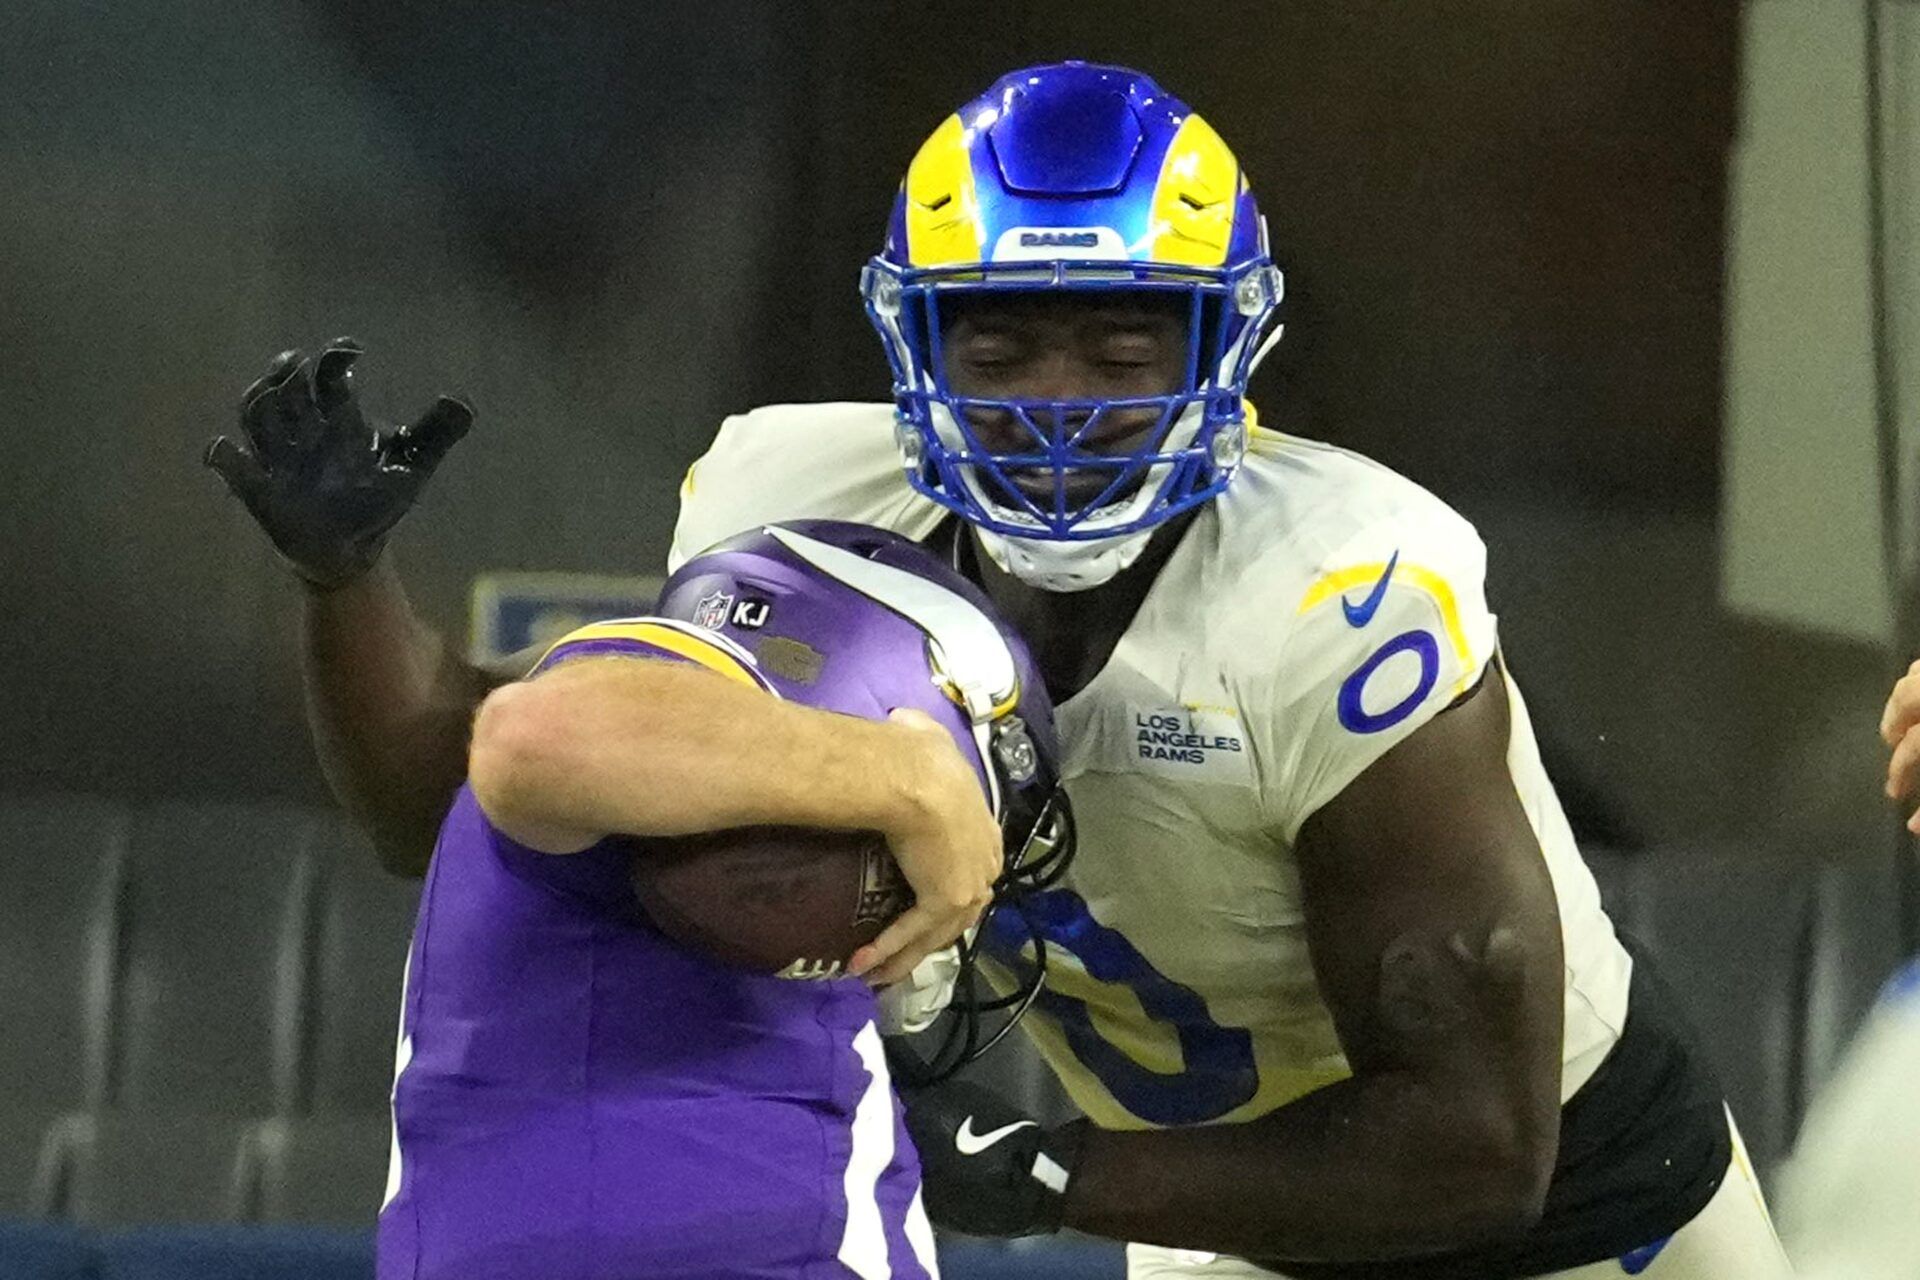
x=1059 y=564
x=1064 y=566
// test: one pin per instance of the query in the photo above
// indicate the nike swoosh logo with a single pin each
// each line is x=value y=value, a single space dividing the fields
x=969 y=1143
x=1361 y=614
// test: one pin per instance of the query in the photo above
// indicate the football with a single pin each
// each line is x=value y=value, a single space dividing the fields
x=791 y=901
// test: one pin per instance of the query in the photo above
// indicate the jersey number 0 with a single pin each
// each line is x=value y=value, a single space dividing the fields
x=1218 y=1071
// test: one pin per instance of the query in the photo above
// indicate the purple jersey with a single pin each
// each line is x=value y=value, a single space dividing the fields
x=577 y=1096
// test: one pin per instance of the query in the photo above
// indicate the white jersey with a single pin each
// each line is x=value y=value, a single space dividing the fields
x=1848 y=1195
x=1314 y=615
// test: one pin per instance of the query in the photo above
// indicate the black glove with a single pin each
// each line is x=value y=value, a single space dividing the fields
x=987 y=1169
x=326 y=486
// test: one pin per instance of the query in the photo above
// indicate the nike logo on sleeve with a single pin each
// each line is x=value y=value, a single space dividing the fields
x=969 y=1143
x=1361 y=614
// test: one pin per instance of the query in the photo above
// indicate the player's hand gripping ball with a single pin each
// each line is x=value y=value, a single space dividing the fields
x=325 y=485
x=795 y=901
x=865 y=624
x=808 y=903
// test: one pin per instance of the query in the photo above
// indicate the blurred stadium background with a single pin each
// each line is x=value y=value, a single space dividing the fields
x=1635 y=286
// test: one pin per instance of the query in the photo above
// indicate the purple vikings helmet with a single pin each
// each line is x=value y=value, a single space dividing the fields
x=854 y=619
x=1080 y=178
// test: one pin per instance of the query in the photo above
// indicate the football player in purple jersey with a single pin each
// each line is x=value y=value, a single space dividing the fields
x=578 y=1095
x=575 y=1094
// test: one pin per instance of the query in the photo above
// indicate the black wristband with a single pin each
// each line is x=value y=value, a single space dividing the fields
x=1053 y=1168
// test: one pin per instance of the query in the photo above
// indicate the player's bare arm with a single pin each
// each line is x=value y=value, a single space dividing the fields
x=644 y=747
x=390 y=703
x=1436 y=946
x=1900 y=730
x=389 y=700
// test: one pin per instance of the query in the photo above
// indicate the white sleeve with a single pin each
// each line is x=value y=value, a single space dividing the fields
x=1393 y=628
x=798 y=462
x=708 y=506
x=1848 y=1194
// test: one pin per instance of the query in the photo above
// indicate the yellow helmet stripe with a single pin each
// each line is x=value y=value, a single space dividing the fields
x=1191 y=218
x=658 y=634
x=943 y=208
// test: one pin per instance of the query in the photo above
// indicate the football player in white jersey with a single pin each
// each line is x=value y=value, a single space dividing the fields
x=1329 y=978
x=1849 y=1192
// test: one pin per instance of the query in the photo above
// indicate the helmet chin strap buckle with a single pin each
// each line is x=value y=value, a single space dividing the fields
x=1013 y=748
x=913 y=449
x=1228 y=448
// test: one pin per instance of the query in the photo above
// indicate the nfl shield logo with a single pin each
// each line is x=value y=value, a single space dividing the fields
x=711 y=611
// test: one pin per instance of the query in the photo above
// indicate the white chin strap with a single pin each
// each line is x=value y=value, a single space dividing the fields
x=1064 y=566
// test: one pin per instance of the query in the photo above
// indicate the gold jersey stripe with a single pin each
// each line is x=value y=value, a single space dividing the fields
x=1343 y=580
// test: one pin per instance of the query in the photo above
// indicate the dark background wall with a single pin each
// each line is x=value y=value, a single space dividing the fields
x=610 y=224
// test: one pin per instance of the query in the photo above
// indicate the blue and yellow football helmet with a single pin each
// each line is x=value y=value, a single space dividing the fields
x=1080 y=178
